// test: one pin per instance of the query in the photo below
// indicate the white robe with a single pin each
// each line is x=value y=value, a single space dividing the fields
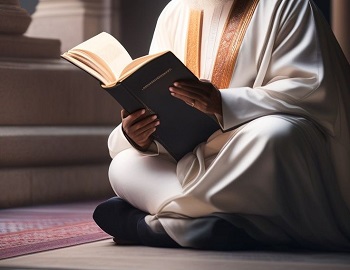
x=290 y=77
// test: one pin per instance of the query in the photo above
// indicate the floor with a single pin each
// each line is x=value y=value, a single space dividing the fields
x=107 y=255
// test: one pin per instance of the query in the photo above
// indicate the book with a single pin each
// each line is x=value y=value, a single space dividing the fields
x=143 y=83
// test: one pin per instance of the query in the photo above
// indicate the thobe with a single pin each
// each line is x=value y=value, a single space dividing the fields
x=281 y=168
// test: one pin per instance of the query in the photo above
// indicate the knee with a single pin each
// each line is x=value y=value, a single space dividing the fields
x=279 y=132
x=122 y=169
x=119 y=175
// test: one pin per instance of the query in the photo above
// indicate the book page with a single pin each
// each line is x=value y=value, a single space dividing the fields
x=95 y=63
x=106 y=52
x=87 y=66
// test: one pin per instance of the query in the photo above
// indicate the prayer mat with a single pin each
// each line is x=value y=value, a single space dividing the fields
x=40 y=228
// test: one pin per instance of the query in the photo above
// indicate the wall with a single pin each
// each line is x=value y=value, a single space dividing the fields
x=138 y=19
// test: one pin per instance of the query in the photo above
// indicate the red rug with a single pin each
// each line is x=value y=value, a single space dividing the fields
x=30 y=230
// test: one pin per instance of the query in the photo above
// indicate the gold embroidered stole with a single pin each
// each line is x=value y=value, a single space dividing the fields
x=236 y=26
x=194 y=41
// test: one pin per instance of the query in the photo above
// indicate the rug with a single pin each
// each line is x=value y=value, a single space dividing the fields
x=41 y=228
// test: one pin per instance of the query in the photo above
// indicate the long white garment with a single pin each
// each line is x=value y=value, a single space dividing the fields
x=290 y=77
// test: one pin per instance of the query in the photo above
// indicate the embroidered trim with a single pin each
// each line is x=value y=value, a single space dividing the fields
x=236 y=26
x=194 y=41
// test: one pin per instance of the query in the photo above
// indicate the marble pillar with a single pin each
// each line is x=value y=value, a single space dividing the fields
x=14 y=22
x=13 y=18
x=71 y=21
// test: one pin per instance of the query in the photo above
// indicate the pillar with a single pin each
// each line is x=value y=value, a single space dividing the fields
x=71 y=21
x=14 y=22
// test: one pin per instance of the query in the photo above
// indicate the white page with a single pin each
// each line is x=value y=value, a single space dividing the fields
x=109 y=50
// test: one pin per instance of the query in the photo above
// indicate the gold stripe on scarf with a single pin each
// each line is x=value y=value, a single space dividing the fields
x=236 y=26
x=194 y=40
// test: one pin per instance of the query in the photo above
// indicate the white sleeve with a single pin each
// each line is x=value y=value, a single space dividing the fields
x=290 y=76
x=117 y=142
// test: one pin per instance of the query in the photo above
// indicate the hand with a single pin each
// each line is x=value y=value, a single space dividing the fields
x=139 y=127
x=202 y=95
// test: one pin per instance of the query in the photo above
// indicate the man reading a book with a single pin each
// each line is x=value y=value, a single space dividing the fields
x=278 y=171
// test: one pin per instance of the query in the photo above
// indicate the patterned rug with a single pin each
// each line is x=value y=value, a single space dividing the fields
x=33 y=229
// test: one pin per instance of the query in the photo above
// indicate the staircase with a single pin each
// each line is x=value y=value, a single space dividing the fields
x=54 y=124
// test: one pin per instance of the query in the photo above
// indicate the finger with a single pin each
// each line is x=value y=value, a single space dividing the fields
x=199 y=85
x=192 y=83
x=146 y=123
x=185 y=93
x=143 y=134
x=196 y=91
x=137 y=114
x=197 y=100
x=133 y=117
x=139 y=127
x=123 y=113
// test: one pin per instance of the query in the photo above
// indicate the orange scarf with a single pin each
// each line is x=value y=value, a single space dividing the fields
x=236 y=26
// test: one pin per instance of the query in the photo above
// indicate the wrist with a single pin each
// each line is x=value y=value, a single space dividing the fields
x=142 y=148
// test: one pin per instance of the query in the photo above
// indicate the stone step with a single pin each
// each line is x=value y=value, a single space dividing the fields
x=53 y=145
x=52 y=92
x=27 y=47
x=53 y=184
x=54 y=123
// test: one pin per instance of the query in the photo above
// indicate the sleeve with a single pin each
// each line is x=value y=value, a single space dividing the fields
x=118 y=142
x=289 y=76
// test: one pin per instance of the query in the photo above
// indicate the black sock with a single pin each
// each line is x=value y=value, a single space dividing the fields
x=215 y=233
x=119 y=219
x=154 y=239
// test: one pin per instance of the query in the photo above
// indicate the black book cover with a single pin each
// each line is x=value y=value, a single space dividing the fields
x=181 y=127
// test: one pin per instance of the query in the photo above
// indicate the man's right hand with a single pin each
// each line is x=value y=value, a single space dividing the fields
x=139 y=127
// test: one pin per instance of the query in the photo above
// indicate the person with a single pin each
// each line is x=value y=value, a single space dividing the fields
x=277 y=174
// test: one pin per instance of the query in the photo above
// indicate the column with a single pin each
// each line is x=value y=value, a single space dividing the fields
x=71 y=21
x=340 y=24
x=8 y=10
x=14 y=22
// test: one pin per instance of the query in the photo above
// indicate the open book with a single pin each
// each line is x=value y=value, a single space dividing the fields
x=143 y=83
x=106 y=59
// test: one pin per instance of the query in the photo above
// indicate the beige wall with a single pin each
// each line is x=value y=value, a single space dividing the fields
x=137 y=21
